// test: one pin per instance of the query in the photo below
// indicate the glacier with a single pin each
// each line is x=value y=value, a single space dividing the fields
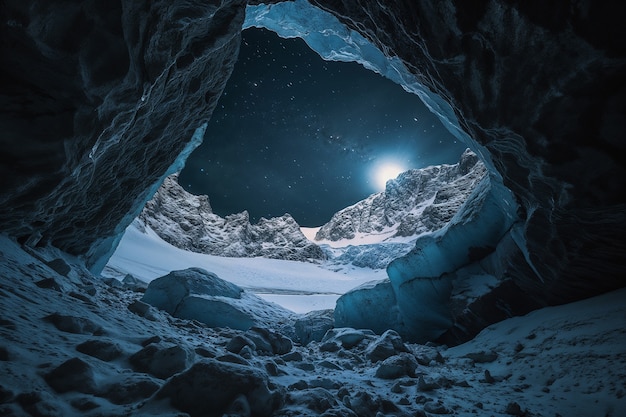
x=415 y=299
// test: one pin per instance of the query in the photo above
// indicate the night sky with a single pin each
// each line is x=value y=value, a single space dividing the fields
x=295 y=134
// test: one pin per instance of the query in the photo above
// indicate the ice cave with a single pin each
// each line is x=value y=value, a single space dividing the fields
x=491 y=286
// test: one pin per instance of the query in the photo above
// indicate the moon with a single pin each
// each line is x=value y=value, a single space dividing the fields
x=386 y=172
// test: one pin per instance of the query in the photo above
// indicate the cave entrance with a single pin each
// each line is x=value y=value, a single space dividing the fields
x=288 y=285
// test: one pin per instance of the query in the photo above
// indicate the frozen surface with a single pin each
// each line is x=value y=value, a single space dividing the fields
x=568 y=360
x=296 y=285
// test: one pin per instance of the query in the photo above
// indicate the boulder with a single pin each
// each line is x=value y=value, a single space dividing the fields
x=209 y=387
x=389 y=344
x=104 y=350
x=196 y=294
x=162 y=360
x=347 y=337
x=397 y=366
x=313 y=326
x=72 y=375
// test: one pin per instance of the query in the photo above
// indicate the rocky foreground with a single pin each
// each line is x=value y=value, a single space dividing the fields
x=72 y=344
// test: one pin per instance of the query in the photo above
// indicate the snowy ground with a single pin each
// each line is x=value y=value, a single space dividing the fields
x=561 y=361
x=298 y=286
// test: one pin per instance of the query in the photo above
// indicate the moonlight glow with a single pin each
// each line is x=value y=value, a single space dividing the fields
x=386 y=172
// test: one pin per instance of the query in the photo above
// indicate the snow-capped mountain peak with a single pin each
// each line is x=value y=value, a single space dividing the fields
x=416 y=202
x=187 y=222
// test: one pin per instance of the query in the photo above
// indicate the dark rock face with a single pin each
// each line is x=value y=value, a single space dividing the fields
x=99 y=98
x=542 y=88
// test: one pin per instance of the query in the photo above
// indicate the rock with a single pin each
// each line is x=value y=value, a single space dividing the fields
x=325 y=383
x=205 y=353
x=305 y=366
x=150 y=340
x=348 y=337
x=48 y=283
x=313 y=326
x=269 y=341
x=82 y=297
x=514 y=409
x=72 y=375
x=142 y=309
x=209 y=387
x=427 y=355
x=77 y=325
x=161 y=360
x=330 y=346
x=230 y=358
x=59 y=266
x=131 y=389
x=172 y=212
x=104 y=350
x=195 y=294
x=397 y=366
x=363 y=404
x=388 y=344
x=113 y=283
x=488 y=378
x=238 y=342
x=338 y=412
x=315 y=399
x=41 y=404
x=427 y=384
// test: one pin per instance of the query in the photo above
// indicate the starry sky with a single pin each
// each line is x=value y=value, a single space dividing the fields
x=295 y=134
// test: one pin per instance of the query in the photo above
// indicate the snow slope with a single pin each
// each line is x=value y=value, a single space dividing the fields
x=561 y=361
x=299 y=286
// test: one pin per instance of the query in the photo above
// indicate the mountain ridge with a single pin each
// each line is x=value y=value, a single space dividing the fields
x=369 y=233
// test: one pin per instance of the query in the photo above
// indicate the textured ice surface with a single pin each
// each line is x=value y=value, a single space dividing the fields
x=420 y=283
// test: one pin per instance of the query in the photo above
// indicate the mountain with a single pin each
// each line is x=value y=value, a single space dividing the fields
x=417 y=201
x=370 y=233
x=385 y=226
x=187 y=221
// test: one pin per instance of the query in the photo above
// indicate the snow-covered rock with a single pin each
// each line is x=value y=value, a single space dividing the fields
x=200 y=295
x=210 y=388
x=187 y=221
x=565 y=360
x=417 y=201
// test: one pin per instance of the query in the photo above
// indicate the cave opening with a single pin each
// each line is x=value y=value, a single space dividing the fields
x=343 y=247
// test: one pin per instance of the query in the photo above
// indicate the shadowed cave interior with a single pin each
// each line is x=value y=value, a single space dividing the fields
x=489 y=294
